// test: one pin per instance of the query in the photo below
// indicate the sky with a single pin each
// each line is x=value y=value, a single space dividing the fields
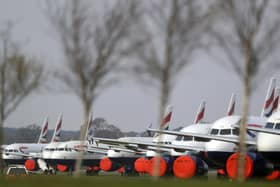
x=128 y=105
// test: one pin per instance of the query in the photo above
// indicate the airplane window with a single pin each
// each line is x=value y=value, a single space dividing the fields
x=60 y=149
x=51 y=149
x=200 y=139
x=214 y=131
x=235 y=131
x=179 y=138
x=16 y=151
x=269 y=125
x=277 y=126
x=225 y=132
x=188 y=138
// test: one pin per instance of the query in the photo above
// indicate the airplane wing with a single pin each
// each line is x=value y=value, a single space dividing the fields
x=264 y=130
x=104 y=150
x=144 y=146
x=204 y=136
x=90 y=150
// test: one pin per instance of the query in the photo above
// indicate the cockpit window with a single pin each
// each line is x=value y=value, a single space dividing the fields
x=269 y=125
x=214 y=131
x=225 y=132
x=277 y=126
x=235 y=132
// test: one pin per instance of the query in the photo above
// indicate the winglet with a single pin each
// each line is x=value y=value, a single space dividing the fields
x=57 y=130
x=44 y=131
x=167 y=117
x=268 y=108
x=231 y=106
x=200 y=113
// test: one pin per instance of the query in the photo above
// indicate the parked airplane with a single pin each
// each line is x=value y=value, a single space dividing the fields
x=184 y=150
x=63 y=155
x=24 y=153
x=218 y=149
x=267 y=144
x=172 y=147
x=13 y=153
x=123 y=157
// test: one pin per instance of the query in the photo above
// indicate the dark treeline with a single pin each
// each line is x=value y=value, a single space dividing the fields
x=30 y=133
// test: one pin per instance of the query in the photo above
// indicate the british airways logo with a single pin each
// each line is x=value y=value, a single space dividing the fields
x=22 y=148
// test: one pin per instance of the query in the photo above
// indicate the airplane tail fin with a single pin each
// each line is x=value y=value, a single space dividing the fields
x=200 y=113
x=231 y=106
x=164 y=125
x=57 y=131
x=44 y=131
x=268 y=108
x=276 y=100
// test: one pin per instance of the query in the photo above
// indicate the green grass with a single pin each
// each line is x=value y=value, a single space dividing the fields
x=121 y=181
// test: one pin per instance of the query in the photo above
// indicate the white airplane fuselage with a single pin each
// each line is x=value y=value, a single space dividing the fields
x=268 y=144
x=66 y=153
x=193 y=142
x=17 y=153
x=219 y=151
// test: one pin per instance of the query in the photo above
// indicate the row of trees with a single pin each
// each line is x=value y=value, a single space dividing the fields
x=154 y=39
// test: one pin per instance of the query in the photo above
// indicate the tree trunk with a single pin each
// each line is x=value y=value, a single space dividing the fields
x=1 y=115
x=83 y=129
x=245 y=110
x=243 y=126
x=2 y=99
x=164 y=98
x=1 y=140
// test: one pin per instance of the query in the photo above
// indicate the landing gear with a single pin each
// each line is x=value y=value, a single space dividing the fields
x=92 y=171
x=128 y=170
x=221 y=174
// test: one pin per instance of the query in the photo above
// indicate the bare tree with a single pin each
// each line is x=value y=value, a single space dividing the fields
x=247 y=34
x=174 y=29
x=19 y=76
x=94 y=46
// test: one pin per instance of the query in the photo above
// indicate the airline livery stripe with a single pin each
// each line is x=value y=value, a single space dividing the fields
x=166 y=119
x=231 y=109
x=200 y=116
x=254 y=125
x=275 y=103
x=270 y=100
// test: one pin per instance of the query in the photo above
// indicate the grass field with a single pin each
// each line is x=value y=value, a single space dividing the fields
x=121 y=181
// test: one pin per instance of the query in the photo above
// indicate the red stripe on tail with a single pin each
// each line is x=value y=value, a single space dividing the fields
x=166 y=119
x=275 y=104
x=231 y=111
x=200 y=116
x=270 y=100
